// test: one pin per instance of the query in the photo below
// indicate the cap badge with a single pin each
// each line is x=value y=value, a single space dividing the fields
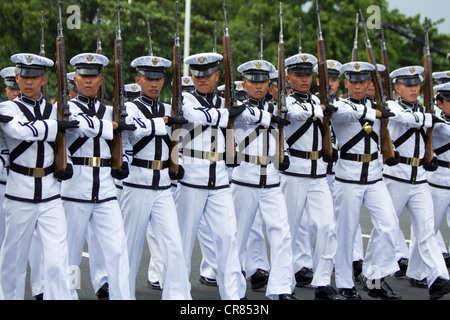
x=89 y=58
x=29 y=59
x=357 y=66
x=258 y=65
x=331 y=64
x=448 y=74
x=201 y=60
x=155 y=61
x=134 y=87
x=412 y=70
x=304 y=58
x=239 y=86
x=186 y=81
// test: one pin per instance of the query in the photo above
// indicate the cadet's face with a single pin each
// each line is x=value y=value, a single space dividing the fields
x=31 y=87
x=12 y=93
x=150 y=87
x=357 y=90
x=256 y=90
x=444 y=105
x=206 y=84
x=409 y=93
x=88 y=85
x=333 y=82
x=273 y=90
x=371 y=90
x=300 y=81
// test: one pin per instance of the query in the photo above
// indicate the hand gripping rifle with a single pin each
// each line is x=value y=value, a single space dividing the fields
x=63 y=112
x=282 y=91
x=229 y=93
x=119 y=112
x=427 y=93
x=324 y=90
x=42 y=54
x=177 y=111
x=387 y=148
x=101 y=91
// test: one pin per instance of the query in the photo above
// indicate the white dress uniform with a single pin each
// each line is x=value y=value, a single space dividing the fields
x=359 y=181
x=204 y=188
x=407 y=181
x=90 y=197
x=32 y=194
x=256 y=184
x=147 y=195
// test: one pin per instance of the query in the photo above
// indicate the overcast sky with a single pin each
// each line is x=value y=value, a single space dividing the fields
x=432 y=9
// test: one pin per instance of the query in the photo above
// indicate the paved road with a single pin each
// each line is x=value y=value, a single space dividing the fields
x=202 y=292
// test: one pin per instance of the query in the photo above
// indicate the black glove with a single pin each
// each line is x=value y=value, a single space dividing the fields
x=171 y=121
x=64 y=174
x=177 y=176
x=386 y=114
x=280 y=121
x=432 y=166
x=64 y=125
x=437 y=120
x=5 y=119
x=329 y=108
x=331 y=158
x=392 y=161
x=235 y=111
x=122 y=172
x=282 y=166
x=122 y=126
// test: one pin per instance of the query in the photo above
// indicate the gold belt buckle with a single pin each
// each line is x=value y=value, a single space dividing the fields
x=93 y=162
x=365 y=157
x=212 y=156
x=414 y=162
x=37 y=172
x=156 y=165
x=262 y=160
x=312 y=155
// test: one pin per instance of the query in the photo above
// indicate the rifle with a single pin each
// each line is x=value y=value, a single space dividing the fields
x=324 y=89
x=149 y=33
x=63 y=113
x=101 y=91
x=282 y=91
x=385 y=62
x=119 y=112
x=261 y=41
x=229 y=93
x=42 y=54
x=299 y=35
x=387 y=148
x=355 y=42
x=177 y=111
x=427 y=93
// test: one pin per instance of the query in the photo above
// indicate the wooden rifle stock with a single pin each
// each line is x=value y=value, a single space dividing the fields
x=428 y=95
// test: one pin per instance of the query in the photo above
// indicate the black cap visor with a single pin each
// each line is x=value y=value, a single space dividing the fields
x=358 y=76
x=301 y=68
x=152 y=73
x=256 y=75
x=88 y=69
x=204 y=70
x=30 y=71
x=11 y=82
x=409 y=80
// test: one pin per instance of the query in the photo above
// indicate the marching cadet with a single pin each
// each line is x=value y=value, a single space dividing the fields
x=147 y=195
x=359 y=181
x=256 y=181
x=73 y=90
x=204 y=188
x=132 y=91
x=32 y=198
x=407 y=182
x=11 y=86
x=441 y=77
x=304 y=183
x=90 y=197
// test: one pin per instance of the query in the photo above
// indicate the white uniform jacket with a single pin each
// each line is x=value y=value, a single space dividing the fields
x=357 y=131
x=440 y=178
x=89 y=151
x=256 y=143
x=147 y=148
x=4 y=158
x=30 y=138
x=203 y=141
x=407 y=131
x=304 y=136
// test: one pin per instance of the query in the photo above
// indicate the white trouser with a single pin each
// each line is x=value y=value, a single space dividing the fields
x=256 y=252
x=156 y=264
x=97 y=267
x=218 y=209
x=106 y=222
x=157 y=206
x=208 y=265
x=313 y=197
x=272 y=205
x=426 y=260
x=441 y=205
x=380 y=253
x=49 y=221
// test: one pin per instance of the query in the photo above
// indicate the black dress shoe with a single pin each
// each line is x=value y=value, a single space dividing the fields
x=287 y=297
x=259 y=279
x=303 y=277
x=154 y=284
x=327 y=293
x=208 y=281
x=446 y=256
x=103 y=292
x=39 y=296
x=403 y=265
x=357 y=268
x=419 y=283
x=439 y=288
x=384 y=291
x=350 y=293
